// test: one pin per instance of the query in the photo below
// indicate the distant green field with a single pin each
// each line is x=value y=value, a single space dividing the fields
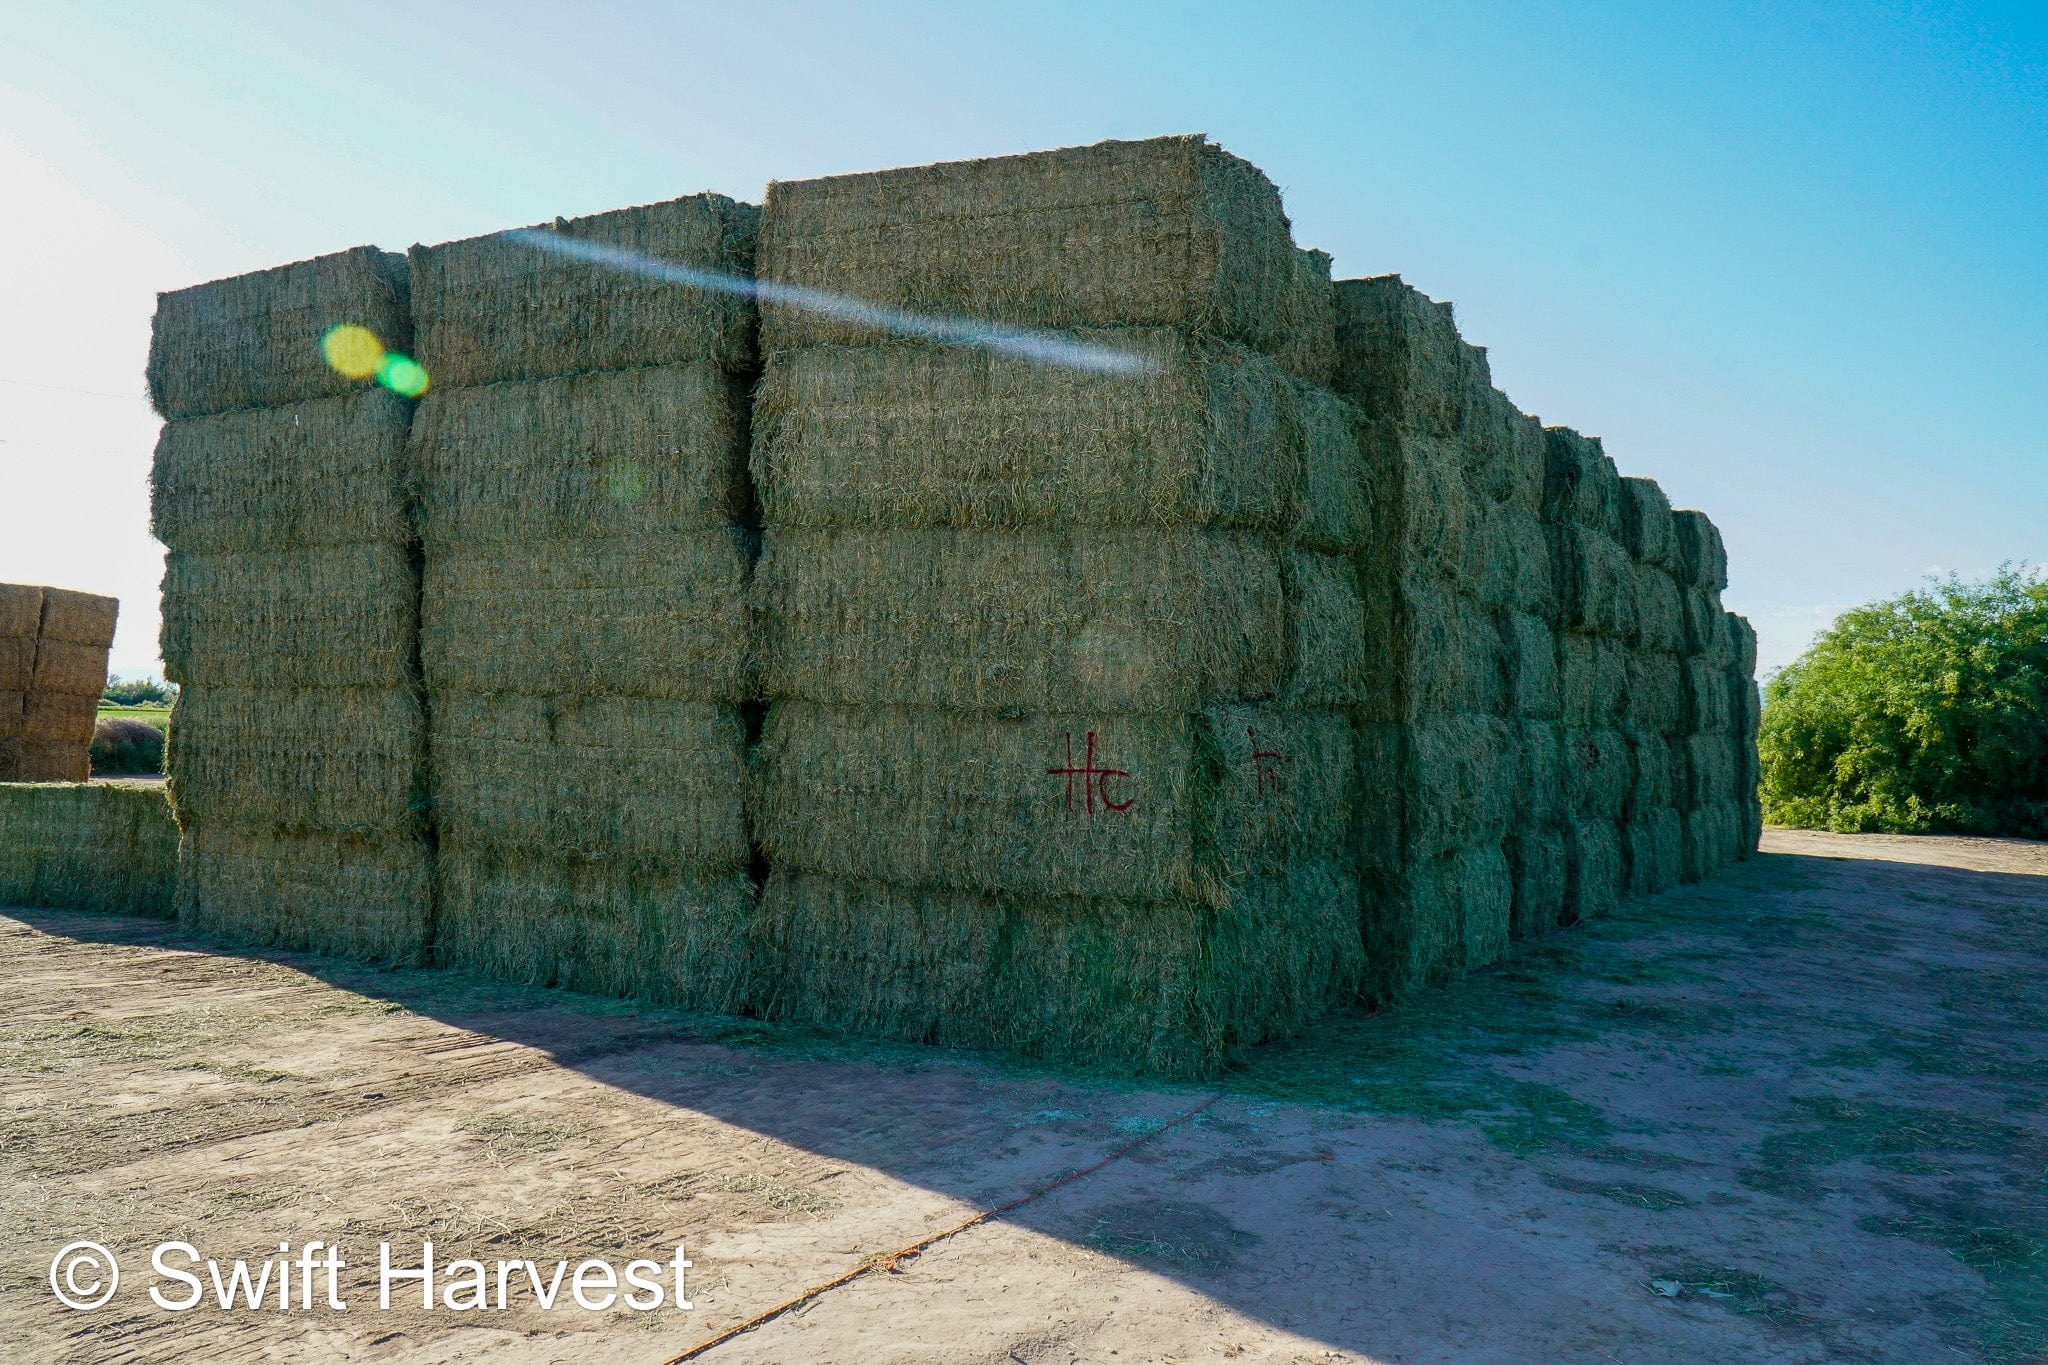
x=159 y=716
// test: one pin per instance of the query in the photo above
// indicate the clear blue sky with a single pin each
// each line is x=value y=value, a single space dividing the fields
x=1789 y=260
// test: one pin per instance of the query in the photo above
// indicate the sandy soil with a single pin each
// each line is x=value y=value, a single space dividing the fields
x=1797 y=1113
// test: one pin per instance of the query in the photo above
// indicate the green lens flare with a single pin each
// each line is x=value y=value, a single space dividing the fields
x=402 y=375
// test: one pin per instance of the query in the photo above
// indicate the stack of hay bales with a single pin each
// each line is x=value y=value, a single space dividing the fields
x=1055 y=758
x=1720 y=813
x=584 y=633
x=53 y=671
x=282 y=492
x=89 y=846
x=1459 y=779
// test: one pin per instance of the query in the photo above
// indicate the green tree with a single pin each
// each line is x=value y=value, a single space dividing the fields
x=139 y=692
x=1924 y=714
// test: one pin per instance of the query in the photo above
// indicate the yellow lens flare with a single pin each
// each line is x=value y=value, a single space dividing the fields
x=356 y=353
x=353 y=351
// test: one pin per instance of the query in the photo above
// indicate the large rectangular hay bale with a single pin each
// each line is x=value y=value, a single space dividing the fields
x=1599 y=772
x=60 y=717
x=1418 y=508
x=1646 y=523
x=326 y=472
x=253 y=341
x=343 y=760
x=1703 y=560
x=21 y=611
x=1592 y=679
x=1432 y=651
x=902 y=436
x=1709 y=700
x=623 y=453
x=44 y=760
x=1169 y=232
x=1123 y=620
x=1660 y=613
x=1399 y=357
x=1448 y=913
x=1595 y=580
x=1596 y=870
x=89 y=846
x=1655 y=844
x=79 y=618
x=1163 y=984
x=335 y=616
x=1657 y=692
x=611 y=926
x=591 y=777
x=365 y=900
x=1542 y=790
x=1711 y=770
x=1655 y=782
x=1325 y=647
x=1706 y=625
x=1529 y=651
x=1713 y=838
x=1537 y=862
x=1581 y=486
x=663 y=616
x=1052 y=803
x=1466 y=778
x=491 y=308
x=68 y=670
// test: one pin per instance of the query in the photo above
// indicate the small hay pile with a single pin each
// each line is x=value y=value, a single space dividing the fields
x=291 y=597
x=88 y=846
x=584 y=636
x=53 y=670
x=1054 y=759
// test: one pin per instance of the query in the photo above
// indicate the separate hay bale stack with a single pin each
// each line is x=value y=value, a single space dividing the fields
x=88 y=846
x=291 y=603
x=584 y=632
x=53 y=671
x=1054 y=759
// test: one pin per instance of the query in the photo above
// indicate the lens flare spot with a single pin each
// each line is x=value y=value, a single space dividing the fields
x=402 y=375
x=626 y=480
x=353 y=351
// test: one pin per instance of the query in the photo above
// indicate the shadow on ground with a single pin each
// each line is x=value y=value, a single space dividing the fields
x=1796 y=1112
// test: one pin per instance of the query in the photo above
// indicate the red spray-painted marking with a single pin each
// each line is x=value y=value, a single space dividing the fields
x=1094 y=780
x=1260 y=759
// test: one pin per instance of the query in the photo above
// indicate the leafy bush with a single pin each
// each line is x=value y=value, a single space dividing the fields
x=140 y=692
x=126 y=747
x=1924 y=714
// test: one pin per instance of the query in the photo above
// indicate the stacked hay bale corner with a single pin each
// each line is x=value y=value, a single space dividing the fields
x=1056 y=659
x=53 y=671
x=88 y=846
x=587 y=545
x=290 y=613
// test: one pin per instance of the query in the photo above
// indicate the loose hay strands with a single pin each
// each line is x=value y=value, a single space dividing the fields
x=88 y=847
x=663 y=616
x=626 y=453
x=328 y=472
x=1164 y=985
x=902 y=436
x=1171 y=232
x=342 y=760
x=593 y=778
x=613 y=926
x=253 y=341
x=492 y=308
x=1129 y=621
x=1031 y=805
x=337 y=616
x=365 y=900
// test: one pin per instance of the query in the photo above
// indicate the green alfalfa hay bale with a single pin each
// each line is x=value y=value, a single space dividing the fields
x=1593 y=681
x=326 y=472
x=1335 y=512
x=591 y=778
x=1486 y=898
x=89 y=846
x=1538 y=768
x=1581 y=486
x=1599 y=774
x=1646 y=523
x=1742 y=636
x=1430 y=651
x=253 y=341
x=641 y=928
x=1123 y=620
x=79 y=618
x=342 y=760
x=1713 y=838
x=1659 y=611
x=1169 y=232
x=1418 y=510
x=365 y=900
x=68 y=670
x=1529 y=652
x=1162 y=985
x=1384 y=787
x=60 y=717
x=44 y=760
x=491 y=308
x=1657 y=693
x=334 y=616
x=1018 y=803
x=1594 y=866
x=1325 y=644
x=1507 y=561
x=1655 y=781
x=1656 y=851
x=1538 y=864
x=1399 y=357
x=1712 y=766
x=613 y=454
x=1706 y=625
x=1703 y=561
x=659 y=616
x=1465 y=777
x=1443 y=915
x=1595 y=582
x=1709 y=698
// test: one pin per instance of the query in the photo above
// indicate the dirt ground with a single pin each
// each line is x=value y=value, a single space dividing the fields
x=1795 y=1113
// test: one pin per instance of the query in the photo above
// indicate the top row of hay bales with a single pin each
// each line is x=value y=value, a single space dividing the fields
x=53 y=671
